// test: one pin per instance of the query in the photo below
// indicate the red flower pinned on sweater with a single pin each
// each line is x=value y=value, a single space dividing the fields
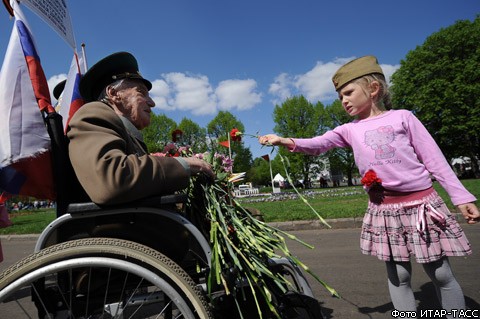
x=235 y=135
x=370 y=179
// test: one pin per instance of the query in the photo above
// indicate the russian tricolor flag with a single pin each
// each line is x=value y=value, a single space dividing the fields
x=71 y=100
x=25 y=163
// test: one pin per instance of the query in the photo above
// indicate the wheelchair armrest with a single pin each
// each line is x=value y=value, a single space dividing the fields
x=82 y=207
x=158 y=201
x=155 y=201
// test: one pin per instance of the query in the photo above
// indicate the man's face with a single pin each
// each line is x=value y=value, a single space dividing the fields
x=136 y=103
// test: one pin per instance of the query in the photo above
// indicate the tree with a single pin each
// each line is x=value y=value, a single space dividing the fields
x=297 y=117
x=193 y=135
x=218 y=130
x=159 y=132
x=259 y=173
x=242 y=160
x=222 y=124
x=340 y=158
x=440 y=82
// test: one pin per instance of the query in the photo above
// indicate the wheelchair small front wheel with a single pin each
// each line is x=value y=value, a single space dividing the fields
x=100 y=278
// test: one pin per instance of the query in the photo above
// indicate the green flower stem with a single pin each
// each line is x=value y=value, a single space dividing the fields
x=252 y=289
x=332 y=291
x=242 y=246
x=300 y=195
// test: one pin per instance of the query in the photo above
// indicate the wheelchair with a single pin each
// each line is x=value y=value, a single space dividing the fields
x=146 y=259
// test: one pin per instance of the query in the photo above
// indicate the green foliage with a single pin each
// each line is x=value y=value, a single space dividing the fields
x=297 y=117
x=159 y=133
x=222 y=124
x=341 y=159
x=242 y=159
x=193 y=135
x=218 y=130
x=440 y=82
x=259 y=173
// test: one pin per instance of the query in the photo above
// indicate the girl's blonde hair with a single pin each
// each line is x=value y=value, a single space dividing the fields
x=383 y=98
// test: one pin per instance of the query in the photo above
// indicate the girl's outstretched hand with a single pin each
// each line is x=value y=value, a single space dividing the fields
x=272 y=139
x=269 y=139
x=470 y=212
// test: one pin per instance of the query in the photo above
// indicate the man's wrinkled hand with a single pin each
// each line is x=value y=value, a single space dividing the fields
x=199 y=166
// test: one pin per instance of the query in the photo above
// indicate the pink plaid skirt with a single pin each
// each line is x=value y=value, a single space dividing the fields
x=405 y=224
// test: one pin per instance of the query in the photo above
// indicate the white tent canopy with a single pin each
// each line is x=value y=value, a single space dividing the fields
x=461 y=160
x=278 y=178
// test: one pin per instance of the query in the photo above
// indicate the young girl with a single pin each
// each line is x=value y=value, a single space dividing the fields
x=396 y=156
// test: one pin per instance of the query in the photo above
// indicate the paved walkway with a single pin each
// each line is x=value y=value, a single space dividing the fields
x=336 y=259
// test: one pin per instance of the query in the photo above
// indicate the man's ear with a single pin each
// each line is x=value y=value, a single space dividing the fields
x=112 y=93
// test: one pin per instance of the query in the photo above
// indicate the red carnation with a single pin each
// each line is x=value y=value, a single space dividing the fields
x=235 y=135
x=177 y=135
x=370 y=178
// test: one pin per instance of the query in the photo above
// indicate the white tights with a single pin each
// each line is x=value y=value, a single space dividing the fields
x=448 y=290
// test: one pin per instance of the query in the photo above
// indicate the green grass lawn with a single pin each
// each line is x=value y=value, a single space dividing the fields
x=29 y=221
x=339 y=205
x=342 y=202
x=334 y=203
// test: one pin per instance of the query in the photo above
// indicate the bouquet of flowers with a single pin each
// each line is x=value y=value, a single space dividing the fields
x=241 y=244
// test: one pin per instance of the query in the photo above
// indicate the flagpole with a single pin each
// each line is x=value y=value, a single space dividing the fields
x=84 y=57
x=271 y=174
x=9 y=8
x=229 y=147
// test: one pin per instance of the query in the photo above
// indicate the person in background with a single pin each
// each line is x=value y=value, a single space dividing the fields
x=396 y=156
x=106 y=146
x=4 y=218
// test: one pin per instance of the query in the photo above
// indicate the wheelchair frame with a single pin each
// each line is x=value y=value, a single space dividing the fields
x=120 y=239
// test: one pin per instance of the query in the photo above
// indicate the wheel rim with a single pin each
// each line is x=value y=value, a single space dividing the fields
x=115 y=310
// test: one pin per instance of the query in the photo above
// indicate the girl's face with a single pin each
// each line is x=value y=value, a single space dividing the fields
x=355 y=100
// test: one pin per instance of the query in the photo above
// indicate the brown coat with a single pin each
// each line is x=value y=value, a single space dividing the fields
x=111 y=165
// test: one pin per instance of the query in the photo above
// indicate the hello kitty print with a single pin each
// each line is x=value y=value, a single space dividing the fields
x=379 y=140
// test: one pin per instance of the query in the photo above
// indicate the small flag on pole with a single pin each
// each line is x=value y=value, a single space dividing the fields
x=71 y=100
x=225 y=143
x=266 y=157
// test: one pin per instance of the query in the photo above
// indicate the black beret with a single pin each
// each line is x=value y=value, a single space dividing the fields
x=58 y=89
x=114 y=67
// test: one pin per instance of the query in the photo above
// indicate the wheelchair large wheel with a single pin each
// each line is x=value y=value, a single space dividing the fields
x=99 y=278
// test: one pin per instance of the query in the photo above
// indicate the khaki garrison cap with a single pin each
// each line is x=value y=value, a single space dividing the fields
x=355 y=69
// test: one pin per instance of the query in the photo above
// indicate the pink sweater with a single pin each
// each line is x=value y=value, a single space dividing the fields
x=397 y=147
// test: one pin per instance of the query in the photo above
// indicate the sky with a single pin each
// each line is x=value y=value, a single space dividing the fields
x=245 y=57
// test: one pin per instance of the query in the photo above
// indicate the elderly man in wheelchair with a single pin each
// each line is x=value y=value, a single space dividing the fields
x=120 y=247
